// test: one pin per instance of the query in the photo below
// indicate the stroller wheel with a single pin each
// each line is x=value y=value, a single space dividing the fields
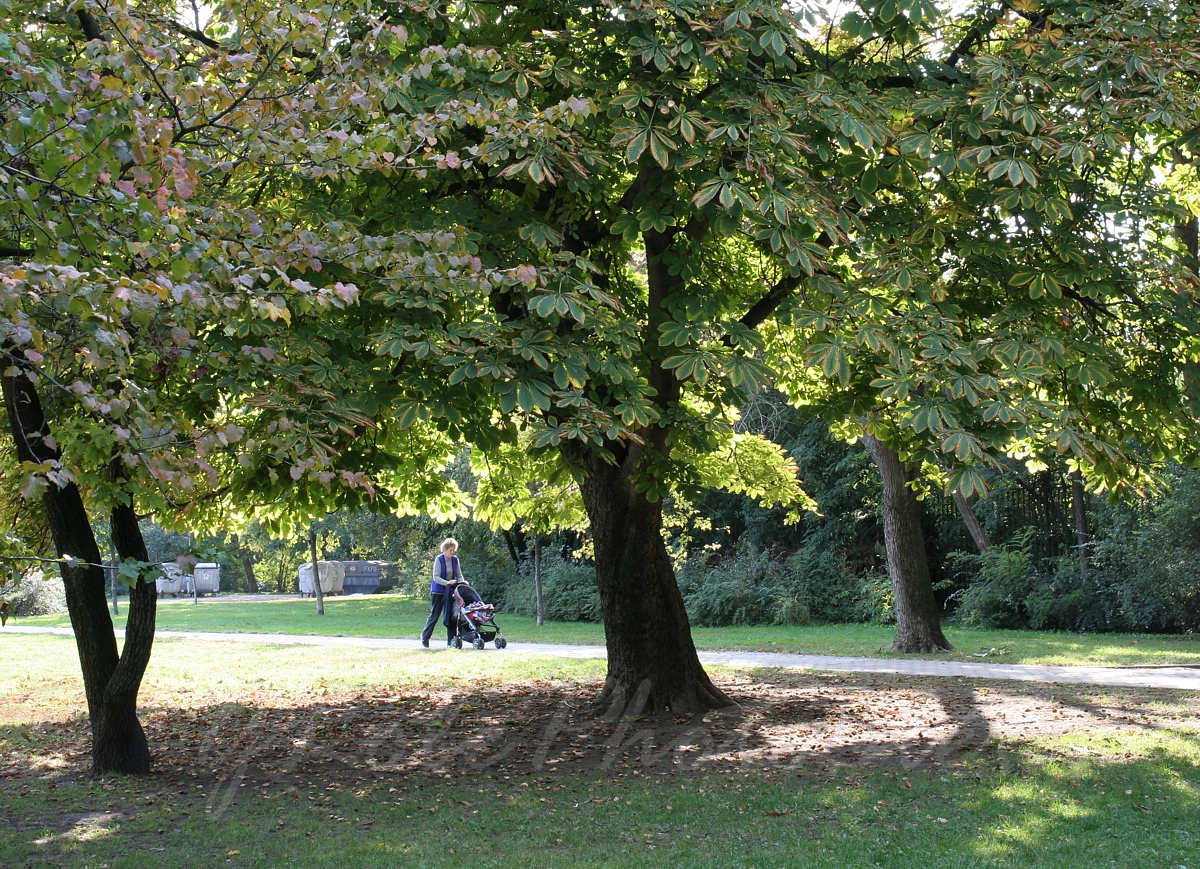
x=501 y=642
x=458 y=642
x=478 y=644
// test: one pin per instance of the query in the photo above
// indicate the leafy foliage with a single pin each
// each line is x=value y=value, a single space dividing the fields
x=1016 y=288
x=568 y=592
x=810 y=585
x=1141 y=574
x=34 y=594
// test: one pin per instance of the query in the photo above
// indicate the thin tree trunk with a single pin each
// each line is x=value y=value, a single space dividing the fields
x=512 y=548
x=652 y=661
x=972 y=522
x=112 y=580
x=537 y=578
x=247 y=565
x=918 y=623
x=1188 y=233
x=126 y=746
x=110 y=681
x=312 y=548
x=1079 y=508
x=281 y=577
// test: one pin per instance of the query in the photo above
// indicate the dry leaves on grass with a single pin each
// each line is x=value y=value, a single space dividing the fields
x=786 y=720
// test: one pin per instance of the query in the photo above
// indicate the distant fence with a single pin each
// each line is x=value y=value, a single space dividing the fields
x=1038 y=501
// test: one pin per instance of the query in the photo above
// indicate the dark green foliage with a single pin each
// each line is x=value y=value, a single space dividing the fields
x=1002 y=586
x=740 y=591
x=811 y=585
x=1147 y=559
x=1143 y=574
x=826 y=568
x=569 y=591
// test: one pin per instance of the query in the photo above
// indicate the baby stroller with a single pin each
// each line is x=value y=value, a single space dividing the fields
x=473 y=620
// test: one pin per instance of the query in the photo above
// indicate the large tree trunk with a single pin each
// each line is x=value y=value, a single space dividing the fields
x=918 y=622
x=652 y=662
x=110 y=681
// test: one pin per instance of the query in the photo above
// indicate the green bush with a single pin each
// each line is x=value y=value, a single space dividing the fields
x=569 y=592
x=745 y=590
x=35 y=595
x=811 y=585
x=833 y=593
x=1003 y=583
x=1143 y=573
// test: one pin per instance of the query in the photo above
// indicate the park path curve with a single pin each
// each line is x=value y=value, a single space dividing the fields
x=1185 y=678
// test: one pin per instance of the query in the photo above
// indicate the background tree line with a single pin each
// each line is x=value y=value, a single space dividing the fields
x=739 y=562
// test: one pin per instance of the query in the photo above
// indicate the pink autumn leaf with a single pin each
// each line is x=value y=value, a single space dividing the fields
x=527 y=275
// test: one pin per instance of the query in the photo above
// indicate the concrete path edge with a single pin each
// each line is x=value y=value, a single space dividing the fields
x=1178 y=678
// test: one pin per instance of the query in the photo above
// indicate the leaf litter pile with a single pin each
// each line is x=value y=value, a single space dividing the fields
x=786 y=720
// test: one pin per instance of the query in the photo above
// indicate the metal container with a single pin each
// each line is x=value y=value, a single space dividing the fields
x=362 y=577
x=207 y=578
x=331 y=573
x=172 y=580
x=389 y=575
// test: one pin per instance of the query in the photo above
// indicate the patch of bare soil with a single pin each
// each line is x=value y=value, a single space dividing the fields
x=786 y=720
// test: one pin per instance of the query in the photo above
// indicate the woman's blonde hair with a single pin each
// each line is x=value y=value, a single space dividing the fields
x=448 y=542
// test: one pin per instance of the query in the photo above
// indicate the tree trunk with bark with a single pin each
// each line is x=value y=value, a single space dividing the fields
x=918 y=622
x=537 y=579
x=247 y=565
x=110 y=681
x=316 y=574
x=652 y=662
x=124 y=745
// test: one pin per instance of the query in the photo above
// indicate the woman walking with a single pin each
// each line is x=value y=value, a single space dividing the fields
x=446 y=575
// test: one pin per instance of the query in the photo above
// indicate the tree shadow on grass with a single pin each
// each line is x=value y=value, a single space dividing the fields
x=853 y=742
x=786 y=720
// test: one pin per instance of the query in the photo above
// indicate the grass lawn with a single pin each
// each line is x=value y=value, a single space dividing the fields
x=395 y=616
x=285 y=756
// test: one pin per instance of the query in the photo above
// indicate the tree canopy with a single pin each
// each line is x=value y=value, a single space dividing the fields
x=282 y=261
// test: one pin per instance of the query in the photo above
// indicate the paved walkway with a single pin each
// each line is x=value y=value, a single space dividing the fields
x=1184 y=677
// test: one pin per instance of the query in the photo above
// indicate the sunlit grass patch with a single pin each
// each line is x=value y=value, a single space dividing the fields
x=390 y=616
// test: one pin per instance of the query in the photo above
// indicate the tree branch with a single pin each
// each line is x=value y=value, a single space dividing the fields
x=766 y=306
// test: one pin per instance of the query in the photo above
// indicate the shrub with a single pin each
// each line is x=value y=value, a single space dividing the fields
x=833 y=593
x=743 y=590
x=36 y=595
x=569 y=591
x=1003 y=583
x=812 y=584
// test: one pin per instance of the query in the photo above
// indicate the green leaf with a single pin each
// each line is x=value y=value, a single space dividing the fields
x=661 y=147
x=637 y=146
x=833 y=361
x=962 y=445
